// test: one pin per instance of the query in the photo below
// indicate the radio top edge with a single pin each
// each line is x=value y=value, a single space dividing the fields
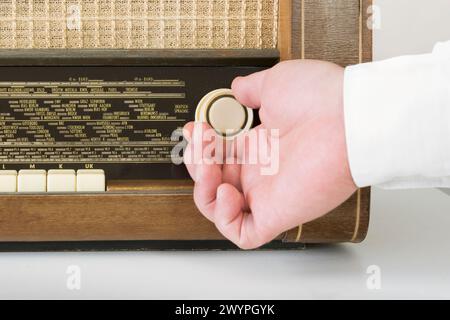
x=139 y=57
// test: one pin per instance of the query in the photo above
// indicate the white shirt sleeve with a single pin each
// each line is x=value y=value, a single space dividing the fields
x=397 y=121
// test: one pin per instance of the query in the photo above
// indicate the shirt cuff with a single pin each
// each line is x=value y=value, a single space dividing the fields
x=397 y=121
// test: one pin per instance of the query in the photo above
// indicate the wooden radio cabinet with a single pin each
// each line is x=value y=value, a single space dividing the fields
x=142 y=45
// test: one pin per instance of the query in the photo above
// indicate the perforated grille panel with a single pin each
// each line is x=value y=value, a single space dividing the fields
x=146 y=24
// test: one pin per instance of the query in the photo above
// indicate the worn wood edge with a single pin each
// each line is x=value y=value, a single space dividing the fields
x=366 y=32
x=136 y=245
x=364 y=220
x=285 y=29
x=182 y=185
x=366 y=55
x=347 y=223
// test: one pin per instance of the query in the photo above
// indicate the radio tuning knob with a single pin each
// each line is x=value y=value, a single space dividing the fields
x=224 y=113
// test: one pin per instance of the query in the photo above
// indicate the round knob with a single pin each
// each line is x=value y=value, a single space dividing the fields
x=224 y=113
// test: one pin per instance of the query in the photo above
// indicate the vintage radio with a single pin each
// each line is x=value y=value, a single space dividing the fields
x=91 y=90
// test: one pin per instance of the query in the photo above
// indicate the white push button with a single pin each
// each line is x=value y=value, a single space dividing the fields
x=8 y=181
x=224 y=113
x=61 y=181
x=91 y=180
x=32 y=181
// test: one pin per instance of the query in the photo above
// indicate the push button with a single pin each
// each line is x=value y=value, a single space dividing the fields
x=224 y=113
x=8 y=181
x=61 y=181
x=32 y=181
x=91 y=180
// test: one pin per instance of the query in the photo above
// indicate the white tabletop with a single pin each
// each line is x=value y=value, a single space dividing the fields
x=408 y=240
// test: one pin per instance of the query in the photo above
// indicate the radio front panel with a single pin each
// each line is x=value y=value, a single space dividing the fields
x=117 y=118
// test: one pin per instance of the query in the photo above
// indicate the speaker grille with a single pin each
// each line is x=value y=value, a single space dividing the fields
x=142 y=24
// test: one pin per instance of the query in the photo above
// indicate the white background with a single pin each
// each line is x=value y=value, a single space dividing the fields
x=408 y=238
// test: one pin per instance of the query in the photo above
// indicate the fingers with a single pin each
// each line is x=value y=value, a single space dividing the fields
x=232 y=221
x=232 y=175
x=208 y=179
x=247 y=90
x=206 y=173
x=189 y=151
x=231 y=172
x=217 y=193
x=187 y=130
x=199 y=137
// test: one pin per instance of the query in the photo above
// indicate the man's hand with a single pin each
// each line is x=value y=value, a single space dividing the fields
x=304 y=100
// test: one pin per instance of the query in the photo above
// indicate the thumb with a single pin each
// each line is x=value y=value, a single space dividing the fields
x=247 y=90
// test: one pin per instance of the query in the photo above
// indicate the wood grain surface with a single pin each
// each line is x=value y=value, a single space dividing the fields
x=336 y=31
x=152 y=215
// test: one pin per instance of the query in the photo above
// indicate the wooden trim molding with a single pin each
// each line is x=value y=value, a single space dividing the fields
x=285 y=31
x=154 y=214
